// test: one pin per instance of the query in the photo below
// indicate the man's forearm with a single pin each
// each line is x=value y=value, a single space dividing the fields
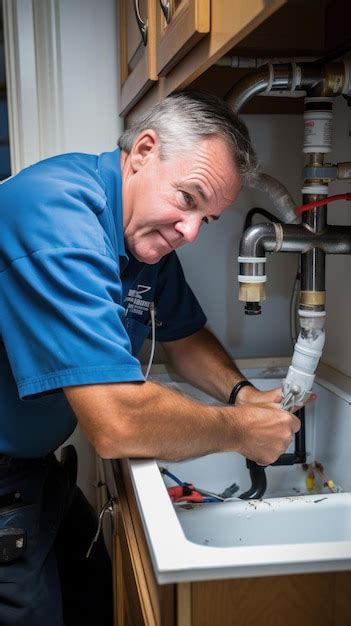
x=150 y=420
x=202 y=361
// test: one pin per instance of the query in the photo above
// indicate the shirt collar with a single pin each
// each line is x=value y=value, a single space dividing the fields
x=109 y=164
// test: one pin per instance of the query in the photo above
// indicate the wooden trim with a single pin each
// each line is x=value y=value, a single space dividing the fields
x=174 y=40
x=135 y=84
x=117 y=572
x=245 y=16
x=162 y=597
x=139 y=564
x=184 y=613
x=151 y=48
x=202 y=16
x=212 y=46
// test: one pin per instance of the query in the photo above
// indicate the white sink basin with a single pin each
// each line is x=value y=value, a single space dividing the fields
x=271 y=521
x=286 y=532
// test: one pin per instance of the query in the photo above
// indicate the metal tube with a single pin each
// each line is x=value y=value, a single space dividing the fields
x=248 y=87
x=261 y=238
x=273 y=77
x=311 y=75
x=313 y=261
x=283 y=203
x=313 y=270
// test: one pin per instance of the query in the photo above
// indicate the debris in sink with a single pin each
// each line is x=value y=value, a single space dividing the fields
x=206 y=542
x=229 y=491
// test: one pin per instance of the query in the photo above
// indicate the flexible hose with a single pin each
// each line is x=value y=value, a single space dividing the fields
x=259 y=211
x=327 y=200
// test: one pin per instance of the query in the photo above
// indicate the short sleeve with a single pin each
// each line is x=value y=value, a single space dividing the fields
x=178 y=312
x=62 y=321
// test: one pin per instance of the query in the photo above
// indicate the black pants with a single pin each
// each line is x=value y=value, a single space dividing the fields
x=52 y=583
x=86 y=584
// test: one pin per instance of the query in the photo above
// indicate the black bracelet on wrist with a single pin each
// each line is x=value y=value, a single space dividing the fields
x=236 y=389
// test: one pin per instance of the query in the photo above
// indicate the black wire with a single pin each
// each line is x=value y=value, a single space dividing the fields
x=259 y=211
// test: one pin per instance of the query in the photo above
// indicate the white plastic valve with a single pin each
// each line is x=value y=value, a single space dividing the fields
x=297 y=385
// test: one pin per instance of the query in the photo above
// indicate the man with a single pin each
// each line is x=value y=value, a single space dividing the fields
x=87 y=254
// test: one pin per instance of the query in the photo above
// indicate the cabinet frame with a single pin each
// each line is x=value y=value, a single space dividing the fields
x=135 y=82
x=190 y=22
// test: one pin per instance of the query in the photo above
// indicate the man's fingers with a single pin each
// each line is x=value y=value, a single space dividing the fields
x=296 y=424
x=309 y=400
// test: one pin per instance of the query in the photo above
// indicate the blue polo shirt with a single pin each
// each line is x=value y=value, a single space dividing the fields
x=75 y=306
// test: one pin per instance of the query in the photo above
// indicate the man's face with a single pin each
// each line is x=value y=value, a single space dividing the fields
x=167 y=201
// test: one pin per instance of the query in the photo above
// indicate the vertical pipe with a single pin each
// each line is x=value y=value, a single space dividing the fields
x=313 y=262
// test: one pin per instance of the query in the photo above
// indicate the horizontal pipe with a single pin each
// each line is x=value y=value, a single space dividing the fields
x=262 y=238
x=274 y=77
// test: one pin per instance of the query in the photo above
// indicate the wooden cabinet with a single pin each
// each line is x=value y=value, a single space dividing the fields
x=138 y=599
x=136 y=49
x=304 y=599
x=180 y=24
x=184 y=38
x=184 y=51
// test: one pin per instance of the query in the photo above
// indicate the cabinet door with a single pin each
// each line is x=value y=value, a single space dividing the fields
x=180 y=24
x=128 y=608
x=137 y=47
x=133 y=604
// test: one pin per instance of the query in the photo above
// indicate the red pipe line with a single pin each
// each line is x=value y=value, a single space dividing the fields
x=327 y=200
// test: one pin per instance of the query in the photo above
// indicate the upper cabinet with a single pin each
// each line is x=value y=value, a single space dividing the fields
x=180 y=24
x=184 y=40
x=137 y=29
x=168 y=43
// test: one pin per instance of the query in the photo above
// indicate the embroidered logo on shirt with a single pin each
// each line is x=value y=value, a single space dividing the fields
x=135 y=302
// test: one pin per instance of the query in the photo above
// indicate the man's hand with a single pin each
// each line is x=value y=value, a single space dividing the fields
x=251 y=395
x=265 y=431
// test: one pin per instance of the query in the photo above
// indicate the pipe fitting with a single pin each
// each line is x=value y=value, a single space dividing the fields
x=312 y=298
x=252 y=292
x=334 y=81
x=284 y=76
x=297 y=385
x=321 y=172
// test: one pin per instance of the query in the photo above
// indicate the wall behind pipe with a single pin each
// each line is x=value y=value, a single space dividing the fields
x=278 y=141
x=211 y=263
x=337 y=351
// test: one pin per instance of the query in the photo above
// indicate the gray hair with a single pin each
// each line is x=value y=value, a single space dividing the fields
x=186 y=117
